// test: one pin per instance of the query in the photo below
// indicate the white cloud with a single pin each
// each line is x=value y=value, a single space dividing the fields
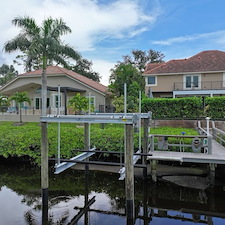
x=103 y=67
x=217 y=36
x=91 y=22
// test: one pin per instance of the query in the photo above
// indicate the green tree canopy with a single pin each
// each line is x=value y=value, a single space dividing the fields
x=7 y=73
x=125 y=73
x=139 y=59
x=84 y=67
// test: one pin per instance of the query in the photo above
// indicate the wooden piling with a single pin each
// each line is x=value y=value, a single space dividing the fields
x=87 y=143
x=129 y=180
x=44 y=163
x=145 y=145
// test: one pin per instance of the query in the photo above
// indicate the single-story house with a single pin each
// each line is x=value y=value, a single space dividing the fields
x=200 y=75
x=69 y=83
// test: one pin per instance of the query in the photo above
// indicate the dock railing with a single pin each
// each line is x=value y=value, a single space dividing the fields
x=197 y=144
x=218 y=134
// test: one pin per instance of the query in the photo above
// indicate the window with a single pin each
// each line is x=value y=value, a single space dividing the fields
x=192 y=81
x=55 y=98
x=38 y=103
x=151 y=80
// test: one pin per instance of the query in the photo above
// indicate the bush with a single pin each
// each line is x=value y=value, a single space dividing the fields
x=215 y=107
x=173 y=108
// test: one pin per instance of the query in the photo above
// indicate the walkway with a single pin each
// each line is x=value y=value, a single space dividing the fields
x=217 y=156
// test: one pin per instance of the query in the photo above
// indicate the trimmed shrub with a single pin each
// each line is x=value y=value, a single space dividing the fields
x=215 y=107
x=173 y=108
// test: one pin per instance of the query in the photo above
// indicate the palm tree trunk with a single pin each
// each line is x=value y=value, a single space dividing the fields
x=20 y=113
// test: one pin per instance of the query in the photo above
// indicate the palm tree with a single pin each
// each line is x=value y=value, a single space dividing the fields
x=3 y=102
x=78 y=103
x=20 y=98
x=42 y=42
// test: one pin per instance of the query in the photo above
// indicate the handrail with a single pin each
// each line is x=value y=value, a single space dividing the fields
x=216 y=131
x=205 y=143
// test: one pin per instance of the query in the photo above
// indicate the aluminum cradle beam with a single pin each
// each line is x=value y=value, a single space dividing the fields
x=123 y=169
x=92 y=119
x=65 y=165
x=142 y=115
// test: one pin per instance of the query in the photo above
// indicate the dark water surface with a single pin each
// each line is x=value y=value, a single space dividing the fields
x=160 y=203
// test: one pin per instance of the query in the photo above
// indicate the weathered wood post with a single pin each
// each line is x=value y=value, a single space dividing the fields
x=86 y=136
x=145 y=145
x=129 y=180
x=44 y=163
x=44 y=147
x=87 y=143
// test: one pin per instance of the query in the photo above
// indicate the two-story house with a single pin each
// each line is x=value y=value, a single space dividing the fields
x=200 y=75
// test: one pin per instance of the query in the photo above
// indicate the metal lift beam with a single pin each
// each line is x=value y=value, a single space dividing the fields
x=65 y=165
x=135 y=159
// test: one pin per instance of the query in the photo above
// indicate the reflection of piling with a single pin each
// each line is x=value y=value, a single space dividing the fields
x=44 y=214
x=153 y=164
x=129 y=180
x=212 y=173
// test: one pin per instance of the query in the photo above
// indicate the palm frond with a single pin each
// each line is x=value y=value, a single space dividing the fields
x=28 y=25
x=20 y=42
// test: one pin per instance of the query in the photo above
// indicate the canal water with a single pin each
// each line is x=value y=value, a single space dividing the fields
x=104 y=197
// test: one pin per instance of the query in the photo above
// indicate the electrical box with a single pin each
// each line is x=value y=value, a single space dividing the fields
x=163 y=142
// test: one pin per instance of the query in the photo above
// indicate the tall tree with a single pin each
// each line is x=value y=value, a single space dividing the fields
x=140 y=59
x=124 y=73
x=84 y=67
x=20 y=98
x=42 y=42
x=7 y=73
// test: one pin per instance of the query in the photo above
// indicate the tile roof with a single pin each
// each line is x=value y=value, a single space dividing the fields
x=56 y=70
x=211 y=60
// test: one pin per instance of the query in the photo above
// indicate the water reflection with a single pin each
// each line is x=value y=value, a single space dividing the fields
x=78 y=197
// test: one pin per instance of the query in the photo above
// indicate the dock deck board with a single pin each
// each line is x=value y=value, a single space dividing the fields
x=217 y=156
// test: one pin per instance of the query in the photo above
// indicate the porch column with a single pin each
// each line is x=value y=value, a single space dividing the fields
x=65 y=100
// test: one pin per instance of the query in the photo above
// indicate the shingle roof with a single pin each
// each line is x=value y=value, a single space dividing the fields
x=211 y=60
x=56 y=70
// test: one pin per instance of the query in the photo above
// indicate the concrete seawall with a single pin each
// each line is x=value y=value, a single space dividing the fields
x=16 y=118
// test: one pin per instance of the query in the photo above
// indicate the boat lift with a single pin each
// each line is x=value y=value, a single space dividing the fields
x=115 y=118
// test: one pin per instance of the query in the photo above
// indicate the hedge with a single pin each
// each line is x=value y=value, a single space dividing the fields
x=173 y=108
x=215 y=107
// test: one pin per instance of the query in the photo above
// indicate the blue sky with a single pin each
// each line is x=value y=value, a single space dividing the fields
x=105 y=30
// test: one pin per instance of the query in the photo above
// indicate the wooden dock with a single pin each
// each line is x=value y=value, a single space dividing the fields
x=217 y=156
